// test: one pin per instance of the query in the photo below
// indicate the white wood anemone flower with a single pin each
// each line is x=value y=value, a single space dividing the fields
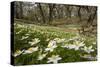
x=18 y=52
x=71 y=46
x=51 y=46
x=54 y=59
x=41 y=56
x=31 y=50
x=76 y=45
x=88 y=49
x=24 y=37
x=34 y=41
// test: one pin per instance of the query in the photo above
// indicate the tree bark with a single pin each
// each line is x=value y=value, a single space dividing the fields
x=41 y=12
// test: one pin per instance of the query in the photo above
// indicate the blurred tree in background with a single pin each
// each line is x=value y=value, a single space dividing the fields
x=58 y=14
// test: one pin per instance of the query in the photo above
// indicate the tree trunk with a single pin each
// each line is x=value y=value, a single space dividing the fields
x=41 y=12
x=51 y=7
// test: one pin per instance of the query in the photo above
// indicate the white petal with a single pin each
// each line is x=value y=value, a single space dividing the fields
x=15 y=55
x=27 y=51
x=47 y=49
x=92 y=50
x=51 y=50
x=55 y=61
x=59 y=58
x=49 y=61
x=90 y=47
x=77 y=48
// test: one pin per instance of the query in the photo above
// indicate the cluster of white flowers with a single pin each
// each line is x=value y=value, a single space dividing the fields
x=28 y=51
x=88 y=49
x=34 y=41
x=76 y=44
x=51 y=46
x=18 y=52
x=31 y=50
